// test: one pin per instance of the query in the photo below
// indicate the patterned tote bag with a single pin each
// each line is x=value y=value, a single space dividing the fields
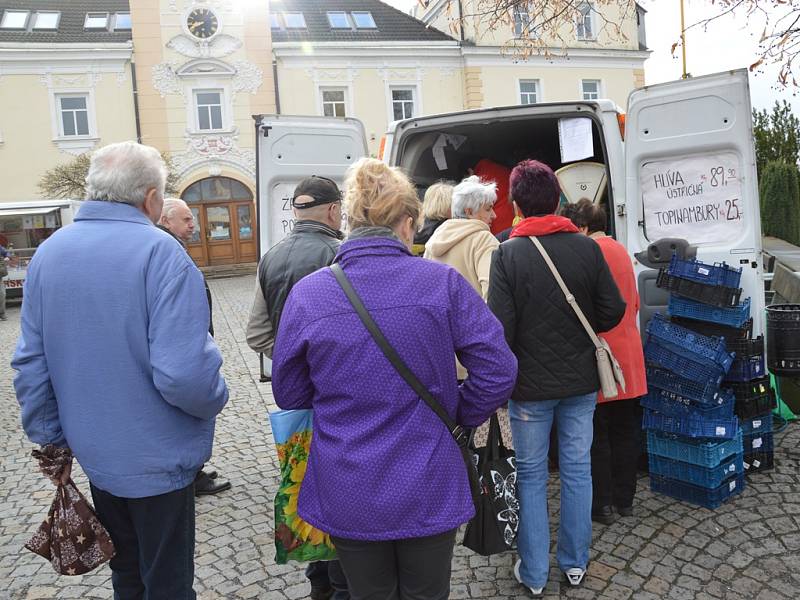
x=294 y=538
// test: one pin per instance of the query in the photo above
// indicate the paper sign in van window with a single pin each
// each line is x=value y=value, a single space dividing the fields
x=698 y=199
x=575 y=139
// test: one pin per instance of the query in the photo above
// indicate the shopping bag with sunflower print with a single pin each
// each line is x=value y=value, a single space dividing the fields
x=294 y=538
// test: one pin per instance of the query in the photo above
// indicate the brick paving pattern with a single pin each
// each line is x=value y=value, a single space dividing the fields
x=668 y=549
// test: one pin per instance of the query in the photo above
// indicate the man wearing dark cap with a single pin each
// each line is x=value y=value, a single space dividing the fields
x=312 y=245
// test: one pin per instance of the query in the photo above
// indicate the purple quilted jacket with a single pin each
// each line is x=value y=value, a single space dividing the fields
x=382 y=465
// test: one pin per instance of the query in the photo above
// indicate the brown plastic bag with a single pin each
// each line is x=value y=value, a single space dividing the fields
x=71 y=537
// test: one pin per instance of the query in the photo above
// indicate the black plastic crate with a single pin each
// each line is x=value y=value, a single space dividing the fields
x=755 y=462
x=716 y=295
x=718 y=330
x=753 y=398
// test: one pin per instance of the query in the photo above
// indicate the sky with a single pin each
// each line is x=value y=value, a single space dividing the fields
x=727 y=43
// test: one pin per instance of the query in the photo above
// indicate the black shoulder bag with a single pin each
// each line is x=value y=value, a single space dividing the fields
x=459 y=434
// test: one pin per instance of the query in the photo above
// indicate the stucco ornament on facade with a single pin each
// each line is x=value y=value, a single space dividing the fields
x=165 y=80
x=248 y=77
x=212 y=152
x=220 y=45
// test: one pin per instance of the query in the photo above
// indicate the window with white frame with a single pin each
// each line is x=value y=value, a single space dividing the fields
x=522 y=20
x=334 y=102
x=275 y=21
x=585 y=24
x=73 y=115
x=294 y=20
x=96 y=20
x=363 y=20
x=590 y=88
x=122 y=21
x=402 y=103
x=14 y=19
x=46 y=20
x=209 y=109
x=528 y=91
x=339 y=20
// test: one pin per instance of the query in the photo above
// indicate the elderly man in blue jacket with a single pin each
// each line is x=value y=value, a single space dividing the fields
x=115 y=362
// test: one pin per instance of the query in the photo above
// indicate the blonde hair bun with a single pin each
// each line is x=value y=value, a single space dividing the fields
x=378 y=195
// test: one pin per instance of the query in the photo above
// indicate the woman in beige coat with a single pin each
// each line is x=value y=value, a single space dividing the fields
x=465 y=241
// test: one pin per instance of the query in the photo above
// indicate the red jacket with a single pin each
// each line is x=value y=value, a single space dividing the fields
x=624 y=339
x=489 y=170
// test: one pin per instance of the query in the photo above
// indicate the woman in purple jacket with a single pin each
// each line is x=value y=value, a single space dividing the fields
x=385 y=478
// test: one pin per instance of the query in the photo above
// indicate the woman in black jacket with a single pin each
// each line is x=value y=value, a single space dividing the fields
x=557 y=378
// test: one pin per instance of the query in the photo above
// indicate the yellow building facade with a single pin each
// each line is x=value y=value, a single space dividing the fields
x=203 y=69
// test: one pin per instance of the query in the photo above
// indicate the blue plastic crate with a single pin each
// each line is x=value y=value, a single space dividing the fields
x=702 y=453
x=716 y=274
x=688 y=343
x=704 y=392
x=692 y=309
x=694 y=474
x=716 y=295
x=668 y=403
x=692 y=426
x=758 y=442
x=697 y=370
x=746 y=368
x=695 y=494
x=756 y=425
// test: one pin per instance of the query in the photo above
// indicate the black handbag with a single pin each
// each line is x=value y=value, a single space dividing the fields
x=460 y=435
x=493 y=529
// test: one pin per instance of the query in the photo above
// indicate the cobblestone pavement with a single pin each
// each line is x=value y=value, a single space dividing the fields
x=747 y=548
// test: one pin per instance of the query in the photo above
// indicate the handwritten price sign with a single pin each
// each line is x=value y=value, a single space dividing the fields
x=697 y=198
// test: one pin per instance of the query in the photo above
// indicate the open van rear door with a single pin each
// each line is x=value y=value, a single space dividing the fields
x=289 y=149
x=691 y=174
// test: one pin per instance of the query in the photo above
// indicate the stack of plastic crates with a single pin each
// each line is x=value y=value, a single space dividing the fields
x=711 y=314
x=693 y=436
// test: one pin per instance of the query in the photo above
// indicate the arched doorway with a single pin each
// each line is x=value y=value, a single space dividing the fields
x=225 y=229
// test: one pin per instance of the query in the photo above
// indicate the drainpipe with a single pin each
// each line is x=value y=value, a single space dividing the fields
x=275 y=83
x=461 y=20
x=136 y=103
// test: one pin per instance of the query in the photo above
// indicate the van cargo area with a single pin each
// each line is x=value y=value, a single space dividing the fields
x=505 y=141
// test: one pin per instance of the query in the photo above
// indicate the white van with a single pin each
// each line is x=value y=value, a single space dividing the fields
x=686 y=168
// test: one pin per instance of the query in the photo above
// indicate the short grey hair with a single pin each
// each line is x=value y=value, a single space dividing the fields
x=473 y=193
x=170 y=204
x=123 y=172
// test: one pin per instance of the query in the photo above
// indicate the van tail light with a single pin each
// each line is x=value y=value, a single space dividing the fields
x=381 y=148
x=621 y=121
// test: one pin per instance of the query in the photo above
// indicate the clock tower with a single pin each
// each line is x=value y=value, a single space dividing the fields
x=203 y=67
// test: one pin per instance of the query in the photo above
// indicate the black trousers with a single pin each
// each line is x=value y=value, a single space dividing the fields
x=328 y=574
x=615 y=453
x=412 y=569
x=154 y=540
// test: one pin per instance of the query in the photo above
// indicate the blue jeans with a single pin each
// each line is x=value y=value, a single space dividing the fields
x=530 y=426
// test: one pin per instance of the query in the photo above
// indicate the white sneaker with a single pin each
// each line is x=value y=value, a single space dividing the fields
x=575 y=576
x=535 y=591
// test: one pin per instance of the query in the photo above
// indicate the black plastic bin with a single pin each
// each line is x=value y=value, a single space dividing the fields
x=783 y=339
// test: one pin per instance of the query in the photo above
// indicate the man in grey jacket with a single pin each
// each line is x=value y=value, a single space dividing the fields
x=312 y=245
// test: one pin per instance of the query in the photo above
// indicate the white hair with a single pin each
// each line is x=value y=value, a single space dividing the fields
x=472 y=193
x=124 y=172
x=170 y=204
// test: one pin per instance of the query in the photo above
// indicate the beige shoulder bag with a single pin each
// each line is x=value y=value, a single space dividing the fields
x=608 y=368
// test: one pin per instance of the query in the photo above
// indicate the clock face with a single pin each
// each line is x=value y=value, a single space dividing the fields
x=202 y=23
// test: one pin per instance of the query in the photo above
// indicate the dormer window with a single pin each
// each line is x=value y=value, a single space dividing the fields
x=363 y=20
x=294 y=20
x=339 y=20
x=46 y=20
x=96 y=21
x=122 y=22
x=15 y=19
